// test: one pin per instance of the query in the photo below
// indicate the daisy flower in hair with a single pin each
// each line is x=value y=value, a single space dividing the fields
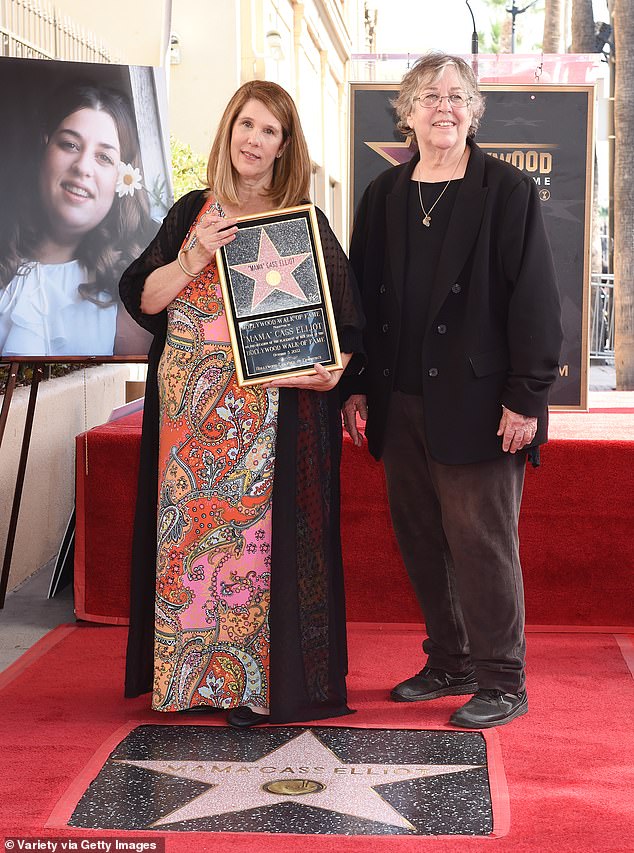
x=129 y=180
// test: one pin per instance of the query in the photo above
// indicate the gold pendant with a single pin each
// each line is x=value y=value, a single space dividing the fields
x=427 y=221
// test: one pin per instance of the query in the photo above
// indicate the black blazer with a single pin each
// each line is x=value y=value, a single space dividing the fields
x=493 y=334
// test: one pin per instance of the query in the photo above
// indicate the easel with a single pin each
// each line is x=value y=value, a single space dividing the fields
x=37 y=365
x=38 y=372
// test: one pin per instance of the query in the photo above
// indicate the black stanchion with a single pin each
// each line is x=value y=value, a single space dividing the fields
x=8 y=394
x=17 y=495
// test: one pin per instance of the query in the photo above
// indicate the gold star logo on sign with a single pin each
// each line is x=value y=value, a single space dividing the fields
x=394 y=152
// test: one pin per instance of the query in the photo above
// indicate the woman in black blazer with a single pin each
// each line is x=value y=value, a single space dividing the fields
x=463 y=336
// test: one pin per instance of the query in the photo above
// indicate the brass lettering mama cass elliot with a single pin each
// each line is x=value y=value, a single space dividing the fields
x=349 y=769
x=267 y=335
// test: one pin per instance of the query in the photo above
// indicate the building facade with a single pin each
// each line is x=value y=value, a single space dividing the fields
x=209 y=48
x=303 y=46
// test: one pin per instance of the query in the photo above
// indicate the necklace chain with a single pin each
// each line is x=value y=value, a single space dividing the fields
x=427 y=213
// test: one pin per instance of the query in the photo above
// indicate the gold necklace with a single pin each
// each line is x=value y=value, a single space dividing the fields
x=427 y=213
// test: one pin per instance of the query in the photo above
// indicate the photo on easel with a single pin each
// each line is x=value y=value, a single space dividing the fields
x=85 y=183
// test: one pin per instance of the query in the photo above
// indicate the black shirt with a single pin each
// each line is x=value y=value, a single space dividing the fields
x=423 y=251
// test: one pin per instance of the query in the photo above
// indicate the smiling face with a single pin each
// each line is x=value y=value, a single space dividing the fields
x=79 y=174
x=256 y=140
x=442 y=127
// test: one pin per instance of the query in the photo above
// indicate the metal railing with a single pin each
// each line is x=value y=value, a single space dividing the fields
x=35 y=29
x=602 y=316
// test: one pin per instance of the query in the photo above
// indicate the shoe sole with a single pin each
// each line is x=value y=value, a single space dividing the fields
x=518 y=712
x=464 y=690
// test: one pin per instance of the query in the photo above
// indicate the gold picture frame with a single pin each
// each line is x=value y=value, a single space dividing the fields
x=276 y=296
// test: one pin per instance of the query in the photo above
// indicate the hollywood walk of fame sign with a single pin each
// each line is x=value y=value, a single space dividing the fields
x=546 y=131
x=276 y=296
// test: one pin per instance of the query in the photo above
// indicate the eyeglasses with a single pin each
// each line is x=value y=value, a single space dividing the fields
x=432 y=100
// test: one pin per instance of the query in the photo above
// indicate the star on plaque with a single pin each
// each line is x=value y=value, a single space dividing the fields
x=303 y=771
x=272 y=271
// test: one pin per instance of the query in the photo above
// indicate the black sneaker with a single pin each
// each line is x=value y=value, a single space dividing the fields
x=243 y=717
x=433 y=683
x=490 y=708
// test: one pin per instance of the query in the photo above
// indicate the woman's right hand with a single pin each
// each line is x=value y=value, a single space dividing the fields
x=355 y=403
x=164 y=284
x=212 y=232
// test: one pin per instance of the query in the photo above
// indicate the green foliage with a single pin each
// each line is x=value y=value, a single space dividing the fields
x=188 y=170
x=493 y=45
x=158 y=194
x=497 y=39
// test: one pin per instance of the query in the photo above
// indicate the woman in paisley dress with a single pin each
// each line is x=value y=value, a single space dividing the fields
x=237 y=589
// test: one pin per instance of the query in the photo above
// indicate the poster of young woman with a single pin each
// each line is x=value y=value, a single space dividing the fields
x=85 y=183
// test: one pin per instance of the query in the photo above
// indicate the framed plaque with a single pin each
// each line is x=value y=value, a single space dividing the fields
x=277 y=300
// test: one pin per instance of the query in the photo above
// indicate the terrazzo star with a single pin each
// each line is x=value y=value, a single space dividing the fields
x=338 y=787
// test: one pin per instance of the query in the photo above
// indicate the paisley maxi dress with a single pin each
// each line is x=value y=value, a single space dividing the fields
x=240 y=599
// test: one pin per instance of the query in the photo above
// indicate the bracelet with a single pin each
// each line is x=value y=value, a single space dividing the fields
x=183 y=267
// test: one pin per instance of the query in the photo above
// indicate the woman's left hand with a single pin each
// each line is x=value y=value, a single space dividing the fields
x=320 y=380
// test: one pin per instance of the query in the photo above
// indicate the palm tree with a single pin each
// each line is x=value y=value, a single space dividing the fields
x=583 y=37
x=623 y=27
x=553 y=29
x=584 y=41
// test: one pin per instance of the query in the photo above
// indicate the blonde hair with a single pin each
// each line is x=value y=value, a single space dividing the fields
x=426 y=71
x=290 y=184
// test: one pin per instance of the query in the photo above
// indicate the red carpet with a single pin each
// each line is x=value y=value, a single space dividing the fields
x=576 y=525
x=576 y=539
x=567 y=763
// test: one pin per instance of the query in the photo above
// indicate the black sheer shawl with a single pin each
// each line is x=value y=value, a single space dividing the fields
x=307 y=614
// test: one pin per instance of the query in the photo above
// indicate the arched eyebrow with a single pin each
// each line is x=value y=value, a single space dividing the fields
x=266 y=126
x=436 y=88
x=79 y=137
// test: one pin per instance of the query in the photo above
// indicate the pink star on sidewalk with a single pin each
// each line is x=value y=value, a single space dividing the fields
x=272 y=271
